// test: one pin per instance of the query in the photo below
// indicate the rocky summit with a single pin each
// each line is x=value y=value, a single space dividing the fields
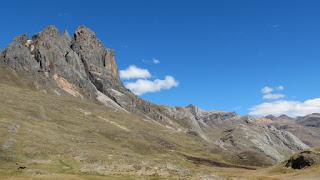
x=64 y=110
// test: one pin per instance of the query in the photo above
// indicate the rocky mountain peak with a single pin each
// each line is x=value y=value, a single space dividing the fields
x=87 y=38
x=311 y=120
x=99 y=61
x=194 y=109
x=281 y=117
x=49 y=31
x=21 y=39
x=84 y=32
x=67 y=35
x=284 y=116
x=82 y=61
x=271 y=117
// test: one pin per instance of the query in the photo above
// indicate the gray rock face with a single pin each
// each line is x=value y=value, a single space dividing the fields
x=306 y=128
x=83 y=67
x=18 y=56
x=47 y=55
x=98 y=61
x=275 y=144
x=205 y=117
x=241 y=139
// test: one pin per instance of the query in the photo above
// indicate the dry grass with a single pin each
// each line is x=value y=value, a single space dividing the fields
x=46 y=136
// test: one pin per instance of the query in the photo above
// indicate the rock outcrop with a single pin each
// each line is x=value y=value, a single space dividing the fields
x=98 y=61
x=245 y=141
x=46 y=57
x=80 y=66
x=303 y=159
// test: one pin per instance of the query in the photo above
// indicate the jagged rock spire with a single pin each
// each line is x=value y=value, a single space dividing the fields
x=49 y=31
x=98 y=60
x=84 y=33
x=82 y=60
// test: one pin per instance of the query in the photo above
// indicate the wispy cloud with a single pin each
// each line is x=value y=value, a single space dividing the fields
x=155 y=61
x=273 y=96
x=133 y=72
x=269 y=95
x=266 y=90
x=280 y=88
x=151 y=61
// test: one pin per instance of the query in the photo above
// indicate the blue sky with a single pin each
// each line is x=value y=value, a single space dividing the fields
x=222 y=52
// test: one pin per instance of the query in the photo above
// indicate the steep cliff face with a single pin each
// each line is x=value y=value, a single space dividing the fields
x=47 y=56
x=98 y=61
x=77 y=59
x=82 y=67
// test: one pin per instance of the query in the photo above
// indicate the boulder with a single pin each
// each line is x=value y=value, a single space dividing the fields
x=303 y=160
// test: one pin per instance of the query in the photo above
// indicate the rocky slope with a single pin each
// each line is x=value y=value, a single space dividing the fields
x=240 y=138
x=305 y=128
x=80 y=66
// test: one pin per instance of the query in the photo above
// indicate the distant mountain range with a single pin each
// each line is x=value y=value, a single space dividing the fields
x=306 y=128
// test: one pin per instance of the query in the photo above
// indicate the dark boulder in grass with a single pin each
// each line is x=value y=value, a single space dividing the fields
x=303 y=160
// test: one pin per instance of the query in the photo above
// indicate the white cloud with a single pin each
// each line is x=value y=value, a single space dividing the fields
x=269 y=95
x=290 y=108
x=155 y=61
x=266 y=90
x=133 y=72
x=142 y=86
x=277 y=106
x=273 y=96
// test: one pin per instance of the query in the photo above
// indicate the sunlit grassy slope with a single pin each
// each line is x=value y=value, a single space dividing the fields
x=47 y=136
